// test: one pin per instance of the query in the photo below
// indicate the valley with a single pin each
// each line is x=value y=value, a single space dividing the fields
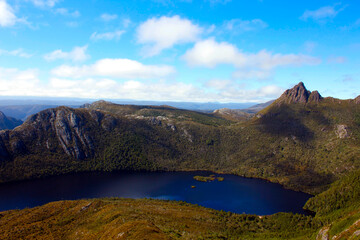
x=302 y=141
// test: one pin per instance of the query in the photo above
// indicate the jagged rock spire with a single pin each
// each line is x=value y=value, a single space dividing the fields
x=299 y=94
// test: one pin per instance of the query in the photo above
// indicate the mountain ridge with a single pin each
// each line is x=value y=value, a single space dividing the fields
x=107 y=136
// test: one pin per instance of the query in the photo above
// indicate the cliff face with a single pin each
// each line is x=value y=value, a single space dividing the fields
x=47 y=131
x=299 y=94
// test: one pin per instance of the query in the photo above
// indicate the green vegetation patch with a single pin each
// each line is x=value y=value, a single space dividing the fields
x=210 y=178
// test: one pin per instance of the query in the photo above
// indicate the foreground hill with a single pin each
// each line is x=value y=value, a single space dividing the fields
x=301 y=140
x=337 y=217
x=147 y=219
x=8 y=122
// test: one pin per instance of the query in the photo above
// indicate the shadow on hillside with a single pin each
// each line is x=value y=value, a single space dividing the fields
x=283 y=121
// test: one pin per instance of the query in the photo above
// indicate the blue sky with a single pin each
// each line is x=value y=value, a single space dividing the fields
x=184 y=50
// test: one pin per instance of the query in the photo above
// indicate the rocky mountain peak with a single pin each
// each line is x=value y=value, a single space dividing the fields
x=299 y=94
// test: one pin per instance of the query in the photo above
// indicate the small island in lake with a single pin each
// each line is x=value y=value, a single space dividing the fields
x=208 y=178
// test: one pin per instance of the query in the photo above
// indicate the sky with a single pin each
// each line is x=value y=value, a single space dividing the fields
x=179 y=50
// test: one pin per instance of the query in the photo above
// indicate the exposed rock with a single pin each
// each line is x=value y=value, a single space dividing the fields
x=355 y=234
x=314 y=96
x=171 y=126
x=63 y=123
x=187 y=135
x=342 y=131
x=357 y=99
x=323 y=234
x=85 y=207
x=299 y=94
x=155 y=121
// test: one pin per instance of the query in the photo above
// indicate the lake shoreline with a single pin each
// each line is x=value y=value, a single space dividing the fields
x=235 y=193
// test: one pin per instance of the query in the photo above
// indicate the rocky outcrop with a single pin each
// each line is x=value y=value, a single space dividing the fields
x=299 y=94
x=50 y=129
x=323 y=234
x=71 y=136
x=342 y=131
x=314 y=96
x=357 y=99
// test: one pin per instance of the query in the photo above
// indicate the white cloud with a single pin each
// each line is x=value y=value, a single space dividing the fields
x=44 y=3
x=165 y=32
x=322 y=14
x=209 y=53
x=107 y=35
x=252 y=74
x=118 y=68
x=240 y=26
x=15 y=82
x=66 y=12
x=108 y=17
x=78 y=54
x=218 y=84
x=16 y=53
x=7 y=15
x=230 y=91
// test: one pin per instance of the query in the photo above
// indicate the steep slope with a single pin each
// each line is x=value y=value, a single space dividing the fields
x=299 y=94
x=8 y=122
x=338 y=208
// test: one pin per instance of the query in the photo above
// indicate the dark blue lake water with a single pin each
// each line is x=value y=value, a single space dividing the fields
x=235 y=194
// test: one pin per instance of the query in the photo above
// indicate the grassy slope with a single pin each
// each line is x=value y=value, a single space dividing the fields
x=146 y=219
x=338 y=208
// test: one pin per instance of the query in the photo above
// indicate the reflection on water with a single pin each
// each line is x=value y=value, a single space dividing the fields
x=236 y=194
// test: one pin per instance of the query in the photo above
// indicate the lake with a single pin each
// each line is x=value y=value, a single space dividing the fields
x=235 y=194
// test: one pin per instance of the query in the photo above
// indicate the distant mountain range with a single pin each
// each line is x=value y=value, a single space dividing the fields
x=22 y=108
x=8 y=122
